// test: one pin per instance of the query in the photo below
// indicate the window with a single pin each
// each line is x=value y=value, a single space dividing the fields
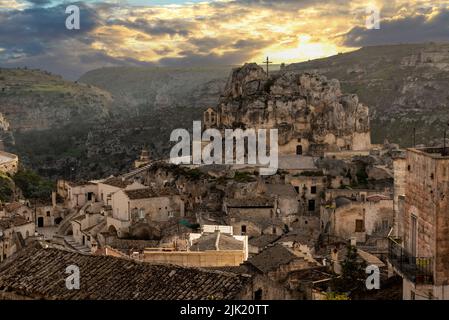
x=359 y=226
x=48 y=213
x=243 y=229
x=313 y=190
x=274 y=230
x=299 y=150
x=311 y=205
x=258 y=294
x=409 y=167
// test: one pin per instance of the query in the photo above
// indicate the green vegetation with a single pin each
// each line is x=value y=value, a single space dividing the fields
x=353 y=277
x=6 y=187
x=32 y=185
x=243 y=177
x=336 y=296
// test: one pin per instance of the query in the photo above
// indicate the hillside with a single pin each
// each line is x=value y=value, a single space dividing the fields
x=45 y=119
x=144 y=89
x=405 y=86
x=38 y=100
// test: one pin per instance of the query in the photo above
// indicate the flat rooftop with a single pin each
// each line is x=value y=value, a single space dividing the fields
x=433 y=152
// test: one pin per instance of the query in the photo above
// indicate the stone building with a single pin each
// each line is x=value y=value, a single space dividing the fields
x=210 y=118
x=309 y=188
x=13 y=233
x=143 y=206
x=360 y=220
x=254 y=216
x=77 y=194
x=215 y=246
x=420 y=251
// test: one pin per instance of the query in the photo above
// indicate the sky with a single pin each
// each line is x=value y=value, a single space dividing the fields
x=201 y=33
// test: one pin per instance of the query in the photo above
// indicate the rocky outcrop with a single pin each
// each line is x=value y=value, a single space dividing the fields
x=301 y=105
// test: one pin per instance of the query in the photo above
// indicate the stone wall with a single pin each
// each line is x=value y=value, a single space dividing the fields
x=196 y=258
x=427 y=199
x=9 y=163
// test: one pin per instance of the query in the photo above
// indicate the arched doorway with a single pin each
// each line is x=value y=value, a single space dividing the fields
x=112 y=230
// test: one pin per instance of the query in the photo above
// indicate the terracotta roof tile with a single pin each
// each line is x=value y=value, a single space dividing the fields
x=40 y=273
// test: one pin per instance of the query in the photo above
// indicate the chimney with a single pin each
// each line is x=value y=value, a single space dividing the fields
x=53 y=199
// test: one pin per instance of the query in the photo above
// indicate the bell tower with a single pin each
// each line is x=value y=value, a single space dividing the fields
x=144 y=158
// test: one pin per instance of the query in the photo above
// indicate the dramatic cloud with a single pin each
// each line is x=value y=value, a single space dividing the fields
x=136 y=32
x=416 y=28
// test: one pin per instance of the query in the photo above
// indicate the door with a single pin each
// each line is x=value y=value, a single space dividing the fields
x=40 y=222
x=413 y=236
x=299 y=150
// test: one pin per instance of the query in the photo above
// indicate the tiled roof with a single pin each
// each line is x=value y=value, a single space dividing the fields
x=11 y=207
x=272 y=258
x=263 y=240
x=116 y=182
x=256 y=202
x=146 y=193
x=207 y=242
x=283 y=190
x=40 y=273
x=14 y=221
x=80 y=183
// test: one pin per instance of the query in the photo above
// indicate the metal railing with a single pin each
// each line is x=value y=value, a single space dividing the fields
x=416 y=269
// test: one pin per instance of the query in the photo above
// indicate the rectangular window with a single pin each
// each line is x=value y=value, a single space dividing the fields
x=359 y=226
x=243 y=229
x=313 y=190
x=311 y=205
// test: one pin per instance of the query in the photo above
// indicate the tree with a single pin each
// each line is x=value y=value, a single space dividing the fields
x=353 y=277
x=32 y=185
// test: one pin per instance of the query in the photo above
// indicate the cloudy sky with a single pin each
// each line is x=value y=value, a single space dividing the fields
x=195 y=32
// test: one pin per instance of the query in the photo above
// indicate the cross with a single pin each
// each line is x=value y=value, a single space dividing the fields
x=267 y=62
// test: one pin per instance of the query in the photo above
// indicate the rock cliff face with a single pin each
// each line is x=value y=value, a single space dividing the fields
x=307 y=109
x=404 y=85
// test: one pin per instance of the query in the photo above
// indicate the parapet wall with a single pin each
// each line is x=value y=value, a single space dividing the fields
x=9 y=163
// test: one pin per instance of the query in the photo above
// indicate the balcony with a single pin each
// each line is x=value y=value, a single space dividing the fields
x=419 y=270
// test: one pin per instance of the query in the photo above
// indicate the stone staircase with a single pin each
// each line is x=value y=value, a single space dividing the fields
x=70 y=241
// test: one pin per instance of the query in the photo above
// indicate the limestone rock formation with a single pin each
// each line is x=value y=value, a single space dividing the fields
x=307 y=109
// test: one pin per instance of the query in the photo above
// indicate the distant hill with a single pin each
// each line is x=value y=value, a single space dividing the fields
x=148 y=88
x=405 y=86
x=46 y=119
x=39 y=100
